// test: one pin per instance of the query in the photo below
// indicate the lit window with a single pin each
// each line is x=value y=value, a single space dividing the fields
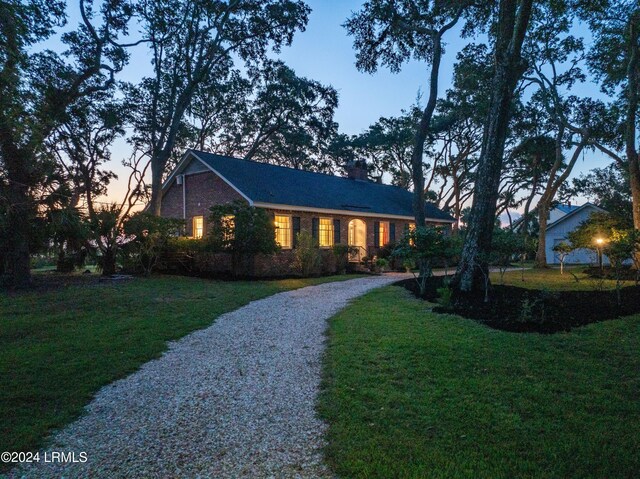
x=198 y=226
x=412 y=228
x=384 y=233
x=283 y=231
x=228 y=223
x=325 y=232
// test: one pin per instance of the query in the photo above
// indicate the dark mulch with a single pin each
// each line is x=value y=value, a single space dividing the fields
x=528 y=310
x=51 y=280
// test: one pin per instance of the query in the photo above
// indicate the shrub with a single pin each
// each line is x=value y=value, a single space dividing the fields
x=387 y=250
x=505 y=244
x=563 y=250
x=244 y=231
x=42 y=261
x=68 y=262
x=307 y=254
x=183 y=244
x=382 y=263
x=408 y=264
x=599 y=225
x=341 y=252
x=69 y=234
x=445 y=296
x=622 y=246
x=423 y=246
x=108 y=236
x=152 y=234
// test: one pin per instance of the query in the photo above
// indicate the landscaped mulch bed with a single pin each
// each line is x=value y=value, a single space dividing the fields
x=52 y=280
x=530 y=310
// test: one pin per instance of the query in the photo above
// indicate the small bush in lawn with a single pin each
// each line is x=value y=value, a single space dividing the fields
x=505 y=244
x=445 y=296
x=526 y=311
x=562 y=250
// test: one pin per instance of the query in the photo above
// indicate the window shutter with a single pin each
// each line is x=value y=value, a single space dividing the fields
x=295 y=223
x=392 y=231
x=315 y=227
x=376 y=234
x=336 y=231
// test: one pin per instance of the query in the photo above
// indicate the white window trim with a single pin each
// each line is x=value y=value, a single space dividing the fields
x=331 y=232
x=290 y=231
x=193 y=227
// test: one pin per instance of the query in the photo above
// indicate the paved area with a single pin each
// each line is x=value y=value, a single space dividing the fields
x=236 y=399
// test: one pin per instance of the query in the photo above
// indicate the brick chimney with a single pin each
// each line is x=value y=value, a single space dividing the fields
x=357 y=170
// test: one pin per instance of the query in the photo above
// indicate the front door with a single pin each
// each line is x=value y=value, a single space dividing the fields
x=357 y=239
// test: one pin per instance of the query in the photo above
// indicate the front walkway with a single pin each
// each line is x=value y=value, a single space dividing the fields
x=236 y=399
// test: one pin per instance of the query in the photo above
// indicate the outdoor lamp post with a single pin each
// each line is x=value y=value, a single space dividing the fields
x=599 y=243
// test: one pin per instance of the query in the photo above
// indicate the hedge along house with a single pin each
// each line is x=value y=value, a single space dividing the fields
x=335 y=210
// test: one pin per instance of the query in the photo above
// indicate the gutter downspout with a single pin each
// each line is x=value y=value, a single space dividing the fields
x=184 y=197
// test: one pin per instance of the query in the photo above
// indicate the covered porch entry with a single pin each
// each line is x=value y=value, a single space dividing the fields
x=357 y=240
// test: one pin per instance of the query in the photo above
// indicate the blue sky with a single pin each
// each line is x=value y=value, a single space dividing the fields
x=325 y=53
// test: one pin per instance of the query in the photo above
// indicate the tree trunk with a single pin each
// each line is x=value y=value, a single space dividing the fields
x=18 y=222
x=632 y=108
x=541 y=253
x=108 y=262
x=421 y=134
x=544 y=205
x=527 y=206
x=513 y=23
x=158 y=165
x=634 y=182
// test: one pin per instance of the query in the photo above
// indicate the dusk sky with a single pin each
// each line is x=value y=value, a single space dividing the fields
x=325 y=53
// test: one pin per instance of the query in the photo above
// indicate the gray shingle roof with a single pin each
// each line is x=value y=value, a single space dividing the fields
x=567 y=208
x=574 y=210
x=264 y=183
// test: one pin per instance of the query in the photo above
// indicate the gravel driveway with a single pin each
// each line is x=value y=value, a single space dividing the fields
x=236 y=399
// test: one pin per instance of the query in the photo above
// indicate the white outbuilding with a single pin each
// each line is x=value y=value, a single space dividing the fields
x=562 y=220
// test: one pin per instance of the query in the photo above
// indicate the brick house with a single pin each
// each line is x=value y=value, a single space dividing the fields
x=336 y=210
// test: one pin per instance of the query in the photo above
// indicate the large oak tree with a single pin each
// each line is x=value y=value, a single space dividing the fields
x=37 y=87
x=195 y=43
x=615 y=59
x=392 y=32
x=509 y=30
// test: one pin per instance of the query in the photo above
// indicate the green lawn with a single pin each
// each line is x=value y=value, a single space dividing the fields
x=58 y=347
x=551 y=279
x=411 y=394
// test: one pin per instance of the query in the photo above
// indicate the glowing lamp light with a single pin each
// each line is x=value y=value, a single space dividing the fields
x=599 y=241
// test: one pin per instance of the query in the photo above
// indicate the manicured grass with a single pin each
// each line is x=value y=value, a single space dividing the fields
x=551 y=279
x=58 y=347
x=411 y=394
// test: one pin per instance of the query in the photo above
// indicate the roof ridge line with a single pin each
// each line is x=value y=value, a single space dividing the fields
x=194 y=151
